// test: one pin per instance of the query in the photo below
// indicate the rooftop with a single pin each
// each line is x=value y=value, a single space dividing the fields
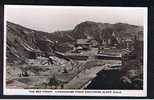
x=82 y=41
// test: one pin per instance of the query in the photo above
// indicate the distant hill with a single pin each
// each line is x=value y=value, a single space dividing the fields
x=104 y=30
x=21 y=40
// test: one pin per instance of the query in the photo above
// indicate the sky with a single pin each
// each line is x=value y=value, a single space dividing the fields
x=57 y=18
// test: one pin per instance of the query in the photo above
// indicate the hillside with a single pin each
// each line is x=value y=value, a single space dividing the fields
x=21 y=40
x=104 y=30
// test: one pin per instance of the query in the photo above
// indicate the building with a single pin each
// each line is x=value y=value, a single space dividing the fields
x=129 y=44
x=83 y=44
x=93 y=43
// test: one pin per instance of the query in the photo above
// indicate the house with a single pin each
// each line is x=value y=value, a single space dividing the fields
x=93 y=43
x=83 y=43
x=129 y=43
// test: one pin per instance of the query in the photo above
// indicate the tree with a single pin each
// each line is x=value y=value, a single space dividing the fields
x=53 y=81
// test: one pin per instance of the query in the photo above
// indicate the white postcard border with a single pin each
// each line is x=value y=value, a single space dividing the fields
x=66 y=92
